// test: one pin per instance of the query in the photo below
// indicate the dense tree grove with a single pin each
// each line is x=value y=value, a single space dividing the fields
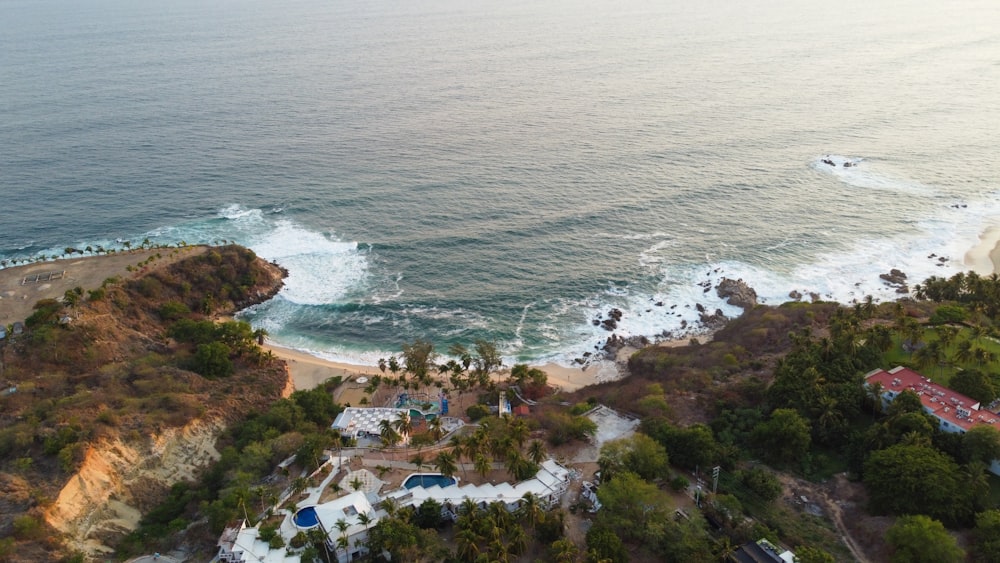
x=920 y=539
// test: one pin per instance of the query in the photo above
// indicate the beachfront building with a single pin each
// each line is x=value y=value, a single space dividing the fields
x=242 y=544
x=548 y=485
x=954 y=412
x=366 y=423
x=346 y=521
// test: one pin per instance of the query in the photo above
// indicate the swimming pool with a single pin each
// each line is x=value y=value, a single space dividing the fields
x=428 y=480
x=306 y=518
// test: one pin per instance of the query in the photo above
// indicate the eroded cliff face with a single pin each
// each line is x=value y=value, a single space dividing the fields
x=120 y=480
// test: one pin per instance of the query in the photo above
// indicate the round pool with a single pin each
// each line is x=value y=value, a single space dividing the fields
x=428 y=480
x=306 y=518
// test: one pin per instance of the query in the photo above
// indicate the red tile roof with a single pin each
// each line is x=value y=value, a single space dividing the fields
x=947 y=405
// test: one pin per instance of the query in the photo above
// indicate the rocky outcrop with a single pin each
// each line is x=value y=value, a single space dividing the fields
x=610 y=322
x=714 y=321
x=118 y=480
x=896 y=279
x=616 y=343
x=737 y=292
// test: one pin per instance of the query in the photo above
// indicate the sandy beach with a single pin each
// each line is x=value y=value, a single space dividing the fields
x=308 y=371
x=984 y=258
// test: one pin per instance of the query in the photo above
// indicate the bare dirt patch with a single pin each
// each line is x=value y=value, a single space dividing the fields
x=17 y=300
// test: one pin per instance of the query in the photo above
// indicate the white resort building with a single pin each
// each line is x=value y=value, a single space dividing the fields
x=954 y=412
x=355 y=422
x=352 y=516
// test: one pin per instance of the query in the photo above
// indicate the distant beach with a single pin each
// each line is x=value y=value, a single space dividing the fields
x=984 y=258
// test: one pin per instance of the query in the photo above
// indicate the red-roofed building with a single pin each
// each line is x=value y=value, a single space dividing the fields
x=954 y=411
x=522 y=410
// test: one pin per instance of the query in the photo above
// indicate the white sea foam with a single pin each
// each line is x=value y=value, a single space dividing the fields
x=321 y=269
x=859 y=172
x=935 y=246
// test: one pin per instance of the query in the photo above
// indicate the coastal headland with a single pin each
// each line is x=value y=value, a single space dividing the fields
x=23 y=286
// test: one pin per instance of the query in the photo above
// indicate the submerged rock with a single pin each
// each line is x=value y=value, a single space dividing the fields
x=896 y=279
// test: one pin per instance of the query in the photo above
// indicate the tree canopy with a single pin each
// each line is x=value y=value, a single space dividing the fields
x=920 y=539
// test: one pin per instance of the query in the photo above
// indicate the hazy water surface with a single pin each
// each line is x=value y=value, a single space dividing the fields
x=458 y=170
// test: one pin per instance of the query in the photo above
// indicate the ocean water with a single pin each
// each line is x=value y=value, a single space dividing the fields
x=511 y=171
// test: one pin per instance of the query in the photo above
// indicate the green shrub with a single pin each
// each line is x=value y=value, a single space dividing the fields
x=173 y=310
x=476 y=412
x=212 y=360
x=949 y=314
x=679 y=483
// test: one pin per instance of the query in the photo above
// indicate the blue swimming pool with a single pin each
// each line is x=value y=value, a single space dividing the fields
x=306 y=518
x=428 y=480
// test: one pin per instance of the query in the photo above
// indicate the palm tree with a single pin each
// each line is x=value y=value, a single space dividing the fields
x=356 y=483
x=930 y=355
x=517 y=540
x=260 y=334
x=830 y=417
x=382 y=365
x=365 y=519
x=299 y=484
x=403 y=424
x=946 y=334
x=468 y=509
x=880 y=338
x=565 y=551
x=436 y=427
x=965 y=352
x=467 y=544
x=316 y=536
x=394 y=366
x=868 y=307
x=518 y=430
x=460 y=448
x=536 y=451
x=978 y=332
x=483 y=465
x=342 y=527
x=530 y=510
x=388 y=434
x=875 y=390
x=984 y=356
x=514 y=463
x=725 y=549
x=445 y=463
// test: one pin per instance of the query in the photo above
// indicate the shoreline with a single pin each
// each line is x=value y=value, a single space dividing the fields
x=984 y=257
x=308 y=371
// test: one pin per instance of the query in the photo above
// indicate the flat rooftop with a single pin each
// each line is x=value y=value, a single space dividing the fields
x=950 y=406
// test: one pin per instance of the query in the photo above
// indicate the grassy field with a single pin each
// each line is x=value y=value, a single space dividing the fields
x=943 y=372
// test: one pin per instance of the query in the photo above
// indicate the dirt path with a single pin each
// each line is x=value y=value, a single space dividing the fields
x=837 y=516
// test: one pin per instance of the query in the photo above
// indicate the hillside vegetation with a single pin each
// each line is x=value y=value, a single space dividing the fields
x=109 y=375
